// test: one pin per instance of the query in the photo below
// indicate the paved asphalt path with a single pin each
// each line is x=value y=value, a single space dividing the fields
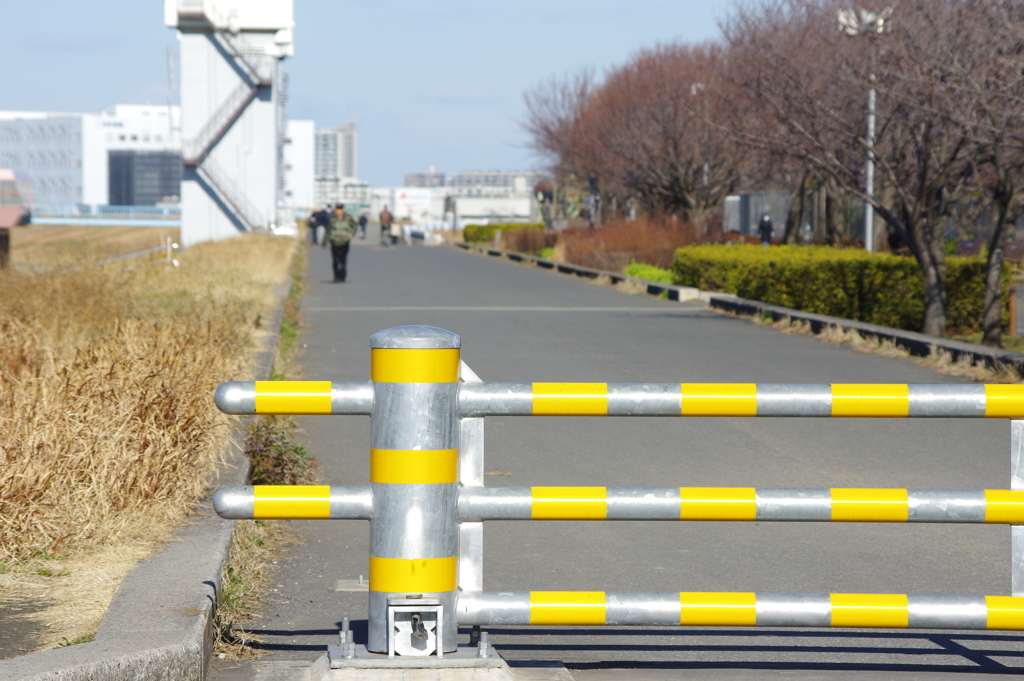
x=523 y=324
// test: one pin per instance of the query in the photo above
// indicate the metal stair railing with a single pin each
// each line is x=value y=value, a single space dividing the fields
x=251 y=217
x=196 y=149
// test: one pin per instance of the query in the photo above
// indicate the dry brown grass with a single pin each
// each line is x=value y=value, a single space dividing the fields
x=108 y=432
x=938 y=359
x=51 y=245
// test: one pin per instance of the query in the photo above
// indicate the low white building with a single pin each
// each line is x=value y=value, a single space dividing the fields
x=130 y=151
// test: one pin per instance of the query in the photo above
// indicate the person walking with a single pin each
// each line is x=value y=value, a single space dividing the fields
x=386 y=220
x=363 y=219
x=340 y=230
x=765 y=230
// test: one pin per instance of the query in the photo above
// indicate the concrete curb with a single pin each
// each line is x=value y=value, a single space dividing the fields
x=652 y=288
x=159 y=626
x=916 y=344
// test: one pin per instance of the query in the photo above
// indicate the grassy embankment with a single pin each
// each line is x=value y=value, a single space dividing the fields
x=108 y=433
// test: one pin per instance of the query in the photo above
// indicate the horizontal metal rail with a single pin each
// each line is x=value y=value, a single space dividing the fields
x=647 y=399
x=740 y=399
x=295 y=397
x=1000 y=507
x=311 y=502
x=598 y=608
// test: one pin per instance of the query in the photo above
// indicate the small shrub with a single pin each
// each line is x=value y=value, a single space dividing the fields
x=476 y=233
x=614 y=245
x=648 y=272
x=276 y=458
x=528 y=240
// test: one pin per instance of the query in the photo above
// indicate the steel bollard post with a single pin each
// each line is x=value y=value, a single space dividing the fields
x=414 y=533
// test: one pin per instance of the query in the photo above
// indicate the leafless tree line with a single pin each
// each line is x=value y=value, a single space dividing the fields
x=780 y=102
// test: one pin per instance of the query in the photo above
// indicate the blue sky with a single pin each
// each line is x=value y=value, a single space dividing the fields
x=436 y=83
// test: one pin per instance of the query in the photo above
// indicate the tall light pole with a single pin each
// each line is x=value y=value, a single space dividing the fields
x=869 y=174
x=854 y=22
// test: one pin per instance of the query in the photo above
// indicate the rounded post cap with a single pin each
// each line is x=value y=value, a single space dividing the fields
x=415 y=338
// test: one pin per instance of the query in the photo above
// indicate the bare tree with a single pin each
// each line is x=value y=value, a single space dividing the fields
x=643 y=132
x=808 y=86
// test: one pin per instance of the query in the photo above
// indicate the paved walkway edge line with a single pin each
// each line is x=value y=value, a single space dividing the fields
x=159 y=626
x=917 y=344
x=652 y=288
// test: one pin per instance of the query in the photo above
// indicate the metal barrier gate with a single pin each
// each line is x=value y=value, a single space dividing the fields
x=426 y=500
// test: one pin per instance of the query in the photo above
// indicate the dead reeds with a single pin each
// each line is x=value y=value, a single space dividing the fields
x=107 y=425
x=614 y=245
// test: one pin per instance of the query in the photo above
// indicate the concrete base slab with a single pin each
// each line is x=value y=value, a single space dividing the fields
x=460 y=666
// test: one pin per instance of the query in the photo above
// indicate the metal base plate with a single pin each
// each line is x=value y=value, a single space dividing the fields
x=464 y=657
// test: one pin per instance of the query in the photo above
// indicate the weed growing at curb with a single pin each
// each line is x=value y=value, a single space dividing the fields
x=276 y=459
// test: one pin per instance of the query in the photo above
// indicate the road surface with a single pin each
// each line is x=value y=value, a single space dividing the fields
x=522 y=324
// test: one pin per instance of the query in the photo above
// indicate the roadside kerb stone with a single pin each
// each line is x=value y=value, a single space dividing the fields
x=159 y=626
x=917 y=344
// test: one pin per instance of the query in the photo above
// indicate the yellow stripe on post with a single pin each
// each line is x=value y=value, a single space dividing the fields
x=870 y=505
x=1005 y=612
x=568 y=607
x=393 y=365
x=569 y=503
x=570 y=399
x=1004 y=506
x=717 y=609
x=417 y=576
x=717 y=503
x=870 y=399
x=870 y=611
x=719 y=399
x=414 y=466
x=293 y=397
x=291 y=501
x=1004 y=401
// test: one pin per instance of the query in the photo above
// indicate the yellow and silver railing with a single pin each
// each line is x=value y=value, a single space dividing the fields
x=647 y=399
x=426 y=501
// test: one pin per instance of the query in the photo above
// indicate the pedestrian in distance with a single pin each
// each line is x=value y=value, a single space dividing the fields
x=363 y=219
x=340 y=230
x=386 y=220
x=314 y=223
x=323 y=216
x=765 y=230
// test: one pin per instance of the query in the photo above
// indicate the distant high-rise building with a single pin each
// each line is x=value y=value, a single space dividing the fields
x=431 y=178
x=335 y=162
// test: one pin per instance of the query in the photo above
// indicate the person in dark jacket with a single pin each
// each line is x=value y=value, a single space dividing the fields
x=340 y=230
x=765 y=230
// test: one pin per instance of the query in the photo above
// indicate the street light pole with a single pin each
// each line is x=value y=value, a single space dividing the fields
x=854 y=22
x=869 y=176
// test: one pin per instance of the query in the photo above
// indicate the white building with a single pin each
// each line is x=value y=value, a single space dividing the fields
x=510 y=180
x=127 y=155
x=232 y=113
x=299 y=157
x=336 y=164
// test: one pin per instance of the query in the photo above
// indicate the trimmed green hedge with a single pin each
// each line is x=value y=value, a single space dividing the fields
x=486 y=232
x=854 y=284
